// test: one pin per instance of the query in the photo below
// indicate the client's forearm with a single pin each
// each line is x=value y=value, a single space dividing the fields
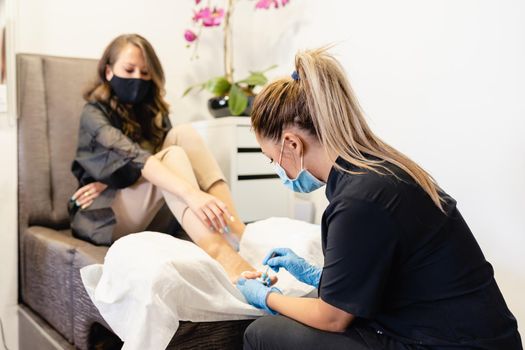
x=161 y=176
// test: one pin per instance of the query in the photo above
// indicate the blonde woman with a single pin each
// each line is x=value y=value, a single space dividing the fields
x=402 y=269
x=130 y=161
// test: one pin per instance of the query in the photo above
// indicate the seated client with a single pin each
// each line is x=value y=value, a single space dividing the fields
x=129 y=161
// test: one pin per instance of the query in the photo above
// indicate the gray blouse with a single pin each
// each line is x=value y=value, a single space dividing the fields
x=106 y=155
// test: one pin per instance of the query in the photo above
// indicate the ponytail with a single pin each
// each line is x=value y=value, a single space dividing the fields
x=320 y=100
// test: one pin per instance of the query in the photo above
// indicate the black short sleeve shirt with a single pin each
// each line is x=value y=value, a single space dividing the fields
x=397 y=262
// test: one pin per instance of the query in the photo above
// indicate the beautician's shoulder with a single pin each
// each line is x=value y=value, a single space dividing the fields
x=360 y=182
x=385 y=188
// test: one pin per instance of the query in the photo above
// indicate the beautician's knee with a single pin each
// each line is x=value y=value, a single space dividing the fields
x=264 y=333
x=257 y=332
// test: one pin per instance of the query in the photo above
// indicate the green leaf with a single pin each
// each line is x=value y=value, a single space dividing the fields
x=256 y=78
x=218 y=86
x=238 y=101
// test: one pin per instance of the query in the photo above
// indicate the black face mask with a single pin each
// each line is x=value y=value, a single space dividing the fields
x=130 y=90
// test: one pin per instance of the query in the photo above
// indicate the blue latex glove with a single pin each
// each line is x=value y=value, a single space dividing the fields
x=256 y=293
x=297 y=266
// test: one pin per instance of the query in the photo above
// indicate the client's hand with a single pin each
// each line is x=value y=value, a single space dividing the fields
x=85 y=195
x=297 y=266
x=256 y=293
x=209 y=210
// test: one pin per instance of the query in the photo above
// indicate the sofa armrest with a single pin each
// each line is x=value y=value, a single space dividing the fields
x=49 y=275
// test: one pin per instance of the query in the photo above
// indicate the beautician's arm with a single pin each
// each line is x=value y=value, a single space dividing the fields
x=313 y=312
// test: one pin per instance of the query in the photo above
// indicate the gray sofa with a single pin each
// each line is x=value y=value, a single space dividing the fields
x=52 y=295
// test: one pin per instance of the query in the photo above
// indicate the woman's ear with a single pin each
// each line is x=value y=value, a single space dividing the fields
x=293 y=143
x=109 y=73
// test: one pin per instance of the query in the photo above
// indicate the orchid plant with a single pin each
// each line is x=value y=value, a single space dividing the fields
x=208 y=15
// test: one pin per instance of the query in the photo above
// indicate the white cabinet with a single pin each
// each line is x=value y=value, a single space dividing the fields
x=257 y=191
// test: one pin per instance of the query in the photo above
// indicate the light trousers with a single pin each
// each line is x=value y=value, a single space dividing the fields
x=187 y=156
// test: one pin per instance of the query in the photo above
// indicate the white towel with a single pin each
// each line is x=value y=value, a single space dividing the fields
x=150 y=281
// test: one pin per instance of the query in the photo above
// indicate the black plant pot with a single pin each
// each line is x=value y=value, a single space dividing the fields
x=218 y=107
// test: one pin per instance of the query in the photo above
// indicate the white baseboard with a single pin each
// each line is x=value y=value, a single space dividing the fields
x=35 y=333
x=9 y=319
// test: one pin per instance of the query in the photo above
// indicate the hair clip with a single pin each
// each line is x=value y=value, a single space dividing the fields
x=295 y=75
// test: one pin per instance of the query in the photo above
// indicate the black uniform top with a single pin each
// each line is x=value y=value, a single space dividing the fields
x=405 y=268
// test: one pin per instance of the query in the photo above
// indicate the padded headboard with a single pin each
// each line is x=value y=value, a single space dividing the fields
x=49 y=105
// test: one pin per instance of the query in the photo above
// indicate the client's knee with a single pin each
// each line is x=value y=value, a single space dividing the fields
x=184 y=130
x=171 y=153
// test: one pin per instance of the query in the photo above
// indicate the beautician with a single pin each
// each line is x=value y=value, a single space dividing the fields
x=402 y=269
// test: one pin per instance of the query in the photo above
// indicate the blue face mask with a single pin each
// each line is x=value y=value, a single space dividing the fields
x=305 y=182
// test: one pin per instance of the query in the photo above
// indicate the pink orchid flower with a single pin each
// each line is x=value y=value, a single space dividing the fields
x=209 y=18
x=204 y=12
x=190 y=36
x=266 y=4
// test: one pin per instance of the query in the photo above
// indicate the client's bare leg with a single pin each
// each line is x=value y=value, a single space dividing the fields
x=211 y=242
x=215 y=245
x=206 y=170
x=221 y=190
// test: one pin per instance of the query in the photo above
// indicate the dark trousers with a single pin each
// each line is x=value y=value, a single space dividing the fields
x=280 y=332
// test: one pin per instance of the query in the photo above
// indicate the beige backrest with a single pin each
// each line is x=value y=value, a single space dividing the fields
x=49 y=105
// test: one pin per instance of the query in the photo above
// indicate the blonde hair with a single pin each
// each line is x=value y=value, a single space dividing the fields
x=322 y=102
x=142 y=121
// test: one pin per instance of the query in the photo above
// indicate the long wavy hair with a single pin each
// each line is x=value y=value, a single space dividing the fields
x=321 y=101
x=142 y=121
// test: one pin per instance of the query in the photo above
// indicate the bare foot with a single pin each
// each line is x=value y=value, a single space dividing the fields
x=258 y=274
x=217 y=247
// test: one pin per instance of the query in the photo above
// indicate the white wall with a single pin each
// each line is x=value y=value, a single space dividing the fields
x=442 y=81
x=8 y=206
x=8 y=237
